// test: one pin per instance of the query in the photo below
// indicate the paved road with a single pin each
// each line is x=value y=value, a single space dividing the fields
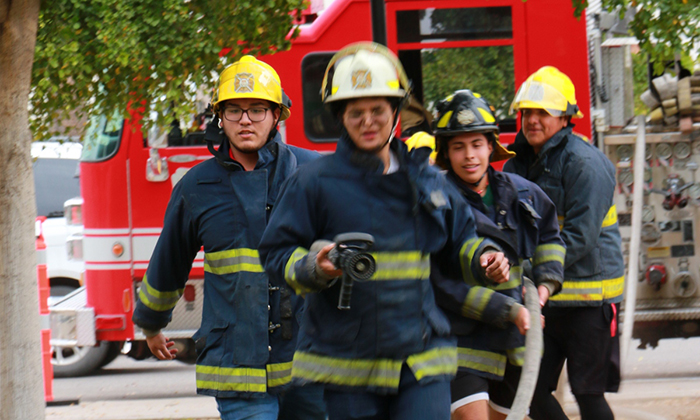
x=663 y=383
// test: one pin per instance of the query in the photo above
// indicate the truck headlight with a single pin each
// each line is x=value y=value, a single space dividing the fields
x=73 y=211
x=74 y=247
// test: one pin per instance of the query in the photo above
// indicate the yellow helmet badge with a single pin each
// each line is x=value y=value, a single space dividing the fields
x=244 y=83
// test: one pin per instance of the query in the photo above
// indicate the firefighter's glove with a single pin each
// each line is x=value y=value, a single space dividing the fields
x=320 y=271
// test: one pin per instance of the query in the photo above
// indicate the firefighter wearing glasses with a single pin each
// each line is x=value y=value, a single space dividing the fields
x=389 y=356
x=582 y=319
x=490 y=320
x=248 y=332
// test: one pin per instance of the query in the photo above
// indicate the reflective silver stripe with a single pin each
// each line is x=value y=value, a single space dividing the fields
x=476 y=301
x=231 y=379
x=157 y=300
x=481 y=360
x=279 y=374
x=384 y=373
x=434 y=362
x=548 y=253
x=233 y=261
x=402 y=265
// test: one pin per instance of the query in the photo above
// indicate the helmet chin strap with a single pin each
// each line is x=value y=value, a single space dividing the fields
x=476 y=184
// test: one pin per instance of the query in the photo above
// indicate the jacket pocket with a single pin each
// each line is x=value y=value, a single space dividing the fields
x=250 y=336
x=210 y=345
x=330 y=326
x=589 y=265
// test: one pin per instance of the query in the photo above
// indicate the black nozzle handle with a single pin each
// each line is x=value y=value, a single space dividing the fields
x=345 y=293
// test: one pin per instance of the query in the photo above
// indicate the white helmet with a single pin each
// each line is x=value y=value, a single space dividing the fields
x=364 y=69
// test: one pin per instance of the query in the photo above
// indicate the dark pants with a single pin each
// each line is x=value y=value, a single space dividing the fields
x=300 y=403
x=583 y=337
x=413 y=402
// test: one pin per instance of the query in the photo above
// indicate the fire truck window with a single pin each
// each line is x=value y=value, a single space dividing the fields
x=454 y=24
x=102 y=138
x=485 y=70
x=319 y=125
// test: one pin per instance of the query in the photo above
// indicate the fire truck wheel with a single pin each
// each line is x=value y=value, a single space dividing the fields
x=78 y=361
x=70 y=362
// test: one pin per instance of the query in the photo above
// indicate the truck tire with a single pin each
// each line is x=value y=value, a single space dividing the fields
x=69 y=362
x=78 y=361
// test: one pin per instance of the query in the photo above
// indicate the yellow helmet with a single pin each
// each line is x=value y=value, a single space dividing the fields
x=364 y=69
x=250 y=78
x=422 y=139
x=548 y=89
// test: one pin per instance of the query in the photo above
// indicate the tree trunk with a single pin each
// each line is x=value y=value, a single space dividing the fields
x=21 y=394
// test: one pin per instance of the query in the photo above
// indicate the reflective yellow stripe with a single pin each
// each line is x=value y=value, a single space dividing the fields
x=466 y=256
x=514 y=279
x=590 y=290
x=402 y=265
x=609 y=219
x=516 y=356
x=548 y=253
x=476 y=301
x=233 y=261
x=231 y=379
x=435 y=362
x=481 y=360
x=157 y=300
x=383 y=373
x=290 y=275
x=279 y=374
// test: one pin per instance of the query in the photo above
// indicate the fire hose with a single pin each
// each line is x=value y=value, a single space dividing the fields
x=533 y=355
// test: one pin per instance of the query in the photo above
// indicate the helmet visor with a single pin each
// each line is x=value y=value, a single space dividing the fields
x=534 y=94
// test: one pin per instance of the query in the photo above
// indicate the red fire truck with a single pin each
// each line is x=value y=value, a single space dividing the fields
x=126 y=179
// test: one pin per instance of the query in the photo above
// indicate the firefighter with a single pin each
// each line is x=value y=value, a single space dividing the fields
x=490 y=321
x=389 y=356
x=580 y=180
x=248 y=332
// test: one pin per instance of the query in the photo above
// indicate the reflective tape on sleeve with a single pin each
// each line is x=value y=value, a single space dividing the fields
x=609 y=219
x=466 y=256
x=158 y=300
x=548 y=253
x=476 y=301
x=290 y=274
x=279 y=374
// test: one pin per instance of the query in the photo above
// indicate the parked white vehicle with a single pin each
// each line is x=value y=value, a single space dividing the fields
x=56 y=183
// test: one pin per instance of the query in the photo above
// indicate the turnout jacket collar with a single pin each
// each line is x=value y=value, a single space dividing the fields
x=268 y=153
x=525 y=152
x=371 y=163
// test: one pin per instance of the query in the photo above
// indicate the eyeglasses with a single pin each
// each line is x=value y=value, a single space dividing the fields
x=255 y=114
x=357 y=117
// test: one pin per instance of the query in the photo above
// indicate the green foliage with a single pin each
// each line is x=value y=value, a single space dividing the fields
x=97 y=56
x=485 y=70
x=663 y=27
x=641 y=82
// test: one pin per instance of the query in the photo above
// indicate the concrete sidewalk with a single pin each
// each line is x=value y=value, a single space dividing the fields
x=654 y=399
x=190 y=408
